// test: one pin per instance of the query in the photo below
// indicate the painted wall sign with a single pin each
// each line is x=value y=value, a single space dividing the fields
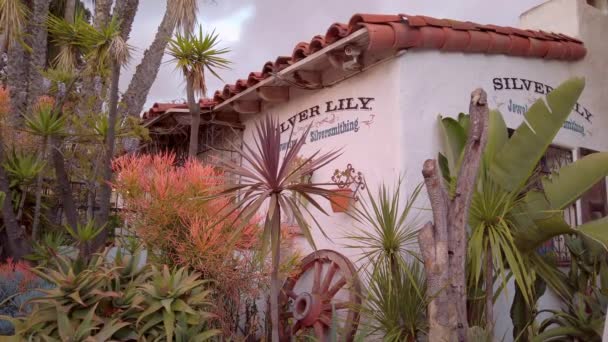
x=516 y=106
x=326 y=119
x=514 y=83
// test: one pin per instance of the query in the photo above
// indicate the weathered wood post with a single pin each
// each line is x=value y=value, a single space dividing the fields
x=443 y=243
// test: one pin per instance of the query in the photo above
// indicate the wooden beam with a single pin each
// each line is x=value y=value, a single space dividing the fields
x=273 y=93
x=247 y=106
x=311 y=77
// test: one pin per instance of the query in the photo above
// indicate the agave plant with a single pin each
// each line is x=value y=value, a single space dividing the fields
x=179 y=299
x=49 y=246
x=118 y=301
x=193 y=54
x=266 y=177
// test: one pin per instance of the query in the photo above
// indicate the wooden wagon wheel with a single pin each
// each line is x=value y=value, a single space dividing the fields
x=326 y=280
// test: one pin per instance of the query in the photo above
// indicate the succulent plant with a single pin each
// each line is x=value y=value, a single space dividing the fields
x=178 y=299
x=118 y=300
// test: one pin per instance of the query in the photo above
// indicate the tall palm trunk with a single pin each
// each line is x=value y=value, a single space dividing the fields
x=135 y=97
x=38 y=205
x=18 y=245
x=195 y=117
x=106 y=189
x=70 y=11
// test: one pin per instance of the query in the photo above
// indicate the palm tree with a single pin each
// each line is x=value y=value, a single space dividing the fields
x=265 y=177
x=193 y=54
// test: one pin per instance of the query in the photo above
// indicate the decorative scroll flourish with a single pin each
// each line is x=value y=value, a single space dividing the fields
x=349 y=178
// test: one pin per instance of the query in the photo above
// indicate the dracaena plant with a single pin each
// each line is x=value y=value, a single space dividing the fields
x=269 y=178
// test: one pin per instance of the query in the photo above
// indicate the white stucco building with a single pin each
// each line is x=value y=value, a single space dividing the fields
x=374 y=88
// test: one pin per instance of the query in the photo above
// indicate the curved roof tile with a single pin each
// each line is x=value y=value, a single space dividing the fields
x=405 y=31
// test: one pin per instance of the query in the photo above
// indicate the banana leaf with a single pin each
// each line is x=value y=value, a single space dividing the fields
x=515 y=162
x=565 y=186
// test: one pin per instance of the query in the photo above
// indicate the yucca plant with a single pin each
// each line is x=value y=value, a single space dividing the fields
x=396 y=301
x=179 y=299
x=266 y=177
x=65 y=35
x=45 y=123
x=387 y=231
x=387 y=236
x=13 y=18
x=193 y=54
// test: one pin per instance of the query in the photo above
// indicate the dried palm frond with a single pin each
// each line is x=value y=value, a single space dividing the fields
x=184 y=13
x=13 y=16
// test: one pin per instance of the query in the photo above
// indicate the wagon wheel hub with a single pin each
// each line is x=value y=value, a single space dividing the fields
x=330 y=291
x=307 y=308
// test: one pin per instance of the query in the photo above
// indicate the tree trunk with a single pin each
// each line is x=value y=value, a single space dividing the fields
x=195 y=118
x=17 y=77
x=444 y=243
x=38 y=43
x=69 y=12
x=134 y=98
x=64 y=188
x=274 y=275
x=18 y=245
x=489 y=284
x=102 y=13
x=23 y=76
x=39 y=179
x=106 y=189
x=124 y=11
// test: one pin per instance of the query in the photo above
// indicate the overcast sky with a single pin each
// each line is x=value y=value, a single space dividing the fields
x=260 y=30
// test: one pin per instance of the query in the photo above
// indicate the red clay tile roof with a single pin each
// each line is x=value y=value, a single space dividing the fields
x=404 y=31
x=160 y=108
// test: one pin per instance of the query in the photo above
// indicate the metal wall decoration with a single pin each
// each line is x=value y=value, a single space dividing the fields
x=349 y=178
